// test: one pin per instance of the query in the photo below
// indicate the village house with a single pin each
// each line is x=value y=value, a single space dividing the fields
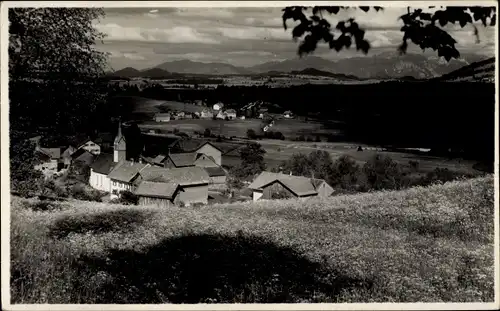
x=230 y=114
x=162 y=117
x=211 y=151
x=123 y=175
x=82 y=156
x=90 y=146
x=276 y=185
x=192 y=181
x=218 y=106
x=216 y=175
x=206 y=114
x=48 y=161
x=262 y=113
x=99 y=171
x=288 y=114
x=179 y=115
x=157 y=193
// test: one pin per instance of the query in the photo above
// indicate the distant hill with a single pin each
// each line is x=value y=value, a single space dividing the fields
x=190 y=67
x=388 y=65
x=320 y=73
x=127 y=72
x=483 y=71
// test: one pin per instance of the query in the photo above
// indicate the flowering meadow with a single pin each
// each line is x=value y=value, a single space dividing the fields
x=432 y=244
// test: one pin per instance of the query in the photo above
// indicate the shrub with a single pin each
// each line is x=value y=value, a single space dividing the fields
x=345 y=173
x=234 y=183
x=128 y=198
x=318 y=139
x=414 y=165
x=251 y=134
x=301 y=138
x=79 y=192
x=382 y=172
x=309 y=139
x=176 y=131
x=279 y=135
x=207 y=133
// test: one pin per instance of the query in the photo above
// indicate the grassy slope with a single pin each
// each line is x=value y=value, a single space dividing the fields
x=421 y=244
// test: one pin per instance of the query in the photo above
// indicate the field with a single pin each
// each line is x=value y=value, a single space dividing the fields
x=418 y=245
x=289 y=128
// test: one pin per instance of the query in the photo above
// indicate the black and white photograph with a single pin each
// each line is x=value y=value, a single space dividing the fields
x=198 y=154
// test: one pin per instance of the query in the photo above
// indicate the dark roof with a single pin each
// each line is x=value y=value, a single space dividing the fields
x=125 y=171
x=78 y=153
x=159 y=159
x=68 y=151
x=103 y=163
x=53 y=153
x=183 y=159
x=83 y=156
x=192 y=145
x=156 y=189
x=184 y=176
x=300 y=185
x=215 y=171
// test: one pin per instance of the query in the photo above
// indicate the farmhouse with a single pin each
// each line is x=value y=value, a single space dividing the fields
x=193 y=182
x=157 y=193
x=230 y=114
x=162 y=117
x=99 y=171
x=210 y=150
x=90 y=146
x=276 y=185
x=288 y=114
x=49 y=160
x=216 y=175
x=206 y=114
x=123 y=175
x=82 y=156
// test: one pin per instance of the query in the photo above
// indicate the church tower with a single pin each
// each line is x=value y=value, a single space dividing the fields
x=120 y=146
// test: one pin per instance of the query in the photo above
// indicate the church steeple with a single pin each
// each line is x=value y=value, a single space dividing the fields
x=120 y=145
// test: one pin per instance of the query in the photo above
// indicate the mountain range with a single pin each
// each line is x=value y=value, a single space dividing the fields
x=381 y=66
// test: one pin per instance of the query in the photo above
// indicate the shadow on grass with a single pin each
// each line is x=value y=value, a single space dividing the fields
x=121 y=221
x=212 y=268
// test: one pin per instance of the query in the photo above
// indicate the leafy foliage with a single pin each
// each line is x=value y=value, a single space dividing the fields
x=24 y=178
x=420 y=27
x=252 y=161
x=54 y=68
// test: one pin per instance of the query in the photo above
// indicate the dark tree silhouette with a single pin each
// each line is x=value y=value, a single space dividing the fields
x=420 y=27
x=54 y=68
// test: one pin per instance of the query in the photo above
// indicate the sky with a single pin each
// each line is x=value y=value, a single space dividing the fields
x=145 y=37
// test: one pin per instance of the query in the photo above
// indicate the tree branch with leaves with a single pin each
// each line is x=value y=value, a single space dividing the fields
x=423 y=28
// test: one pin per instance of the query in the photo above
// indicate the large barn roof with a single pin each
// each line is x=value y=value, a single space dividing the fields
x=300 y=185
x=156 y=189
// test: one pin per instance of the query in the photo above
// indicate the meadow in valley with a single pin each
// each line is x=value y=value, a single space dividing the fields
x=432 y=244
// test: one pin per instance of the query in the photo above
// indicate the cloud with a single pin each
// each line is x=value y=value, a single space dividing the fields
x=255 y=33
x=180 y=34
x=245 y=36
